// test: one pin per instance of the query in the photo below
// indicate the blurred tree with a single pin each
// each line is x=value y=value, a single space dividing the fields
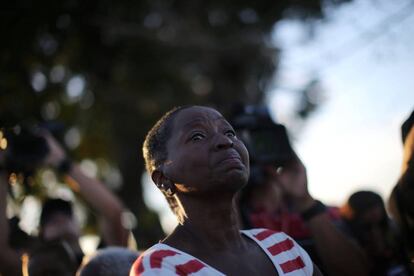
x=110 y=69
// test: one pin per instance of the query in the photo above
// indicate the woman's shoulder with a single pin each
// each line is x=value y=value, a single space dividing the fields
x=261 y=234
x=152 y=258
x=162 y=259
x=285 y=253
x=275 y=242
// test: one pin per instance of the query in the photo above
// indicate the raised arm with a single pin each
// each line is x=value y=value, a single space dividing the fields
x=401 y=204
x=338 y=253
x=10 y=259
x=108 y=207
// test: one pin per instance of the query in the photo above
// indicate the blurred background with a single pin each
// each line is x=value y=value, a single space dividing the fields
x=337 y=73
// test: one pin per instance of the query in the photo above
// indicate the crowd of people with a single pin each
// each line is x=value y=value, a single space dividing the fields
x=230 y=220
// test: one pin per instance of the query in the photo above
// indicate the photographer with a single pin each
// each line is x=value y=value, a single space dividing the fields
x=277 y=198
x=401 y=202
x=59 y=231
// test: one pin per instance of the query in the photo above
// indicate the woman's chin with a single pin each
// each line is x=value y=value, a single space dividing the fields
x=233 y=180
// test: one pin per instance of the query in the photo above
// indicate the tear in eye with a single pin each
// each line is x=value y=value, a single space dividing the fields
x=197 y=136
x=230 y=133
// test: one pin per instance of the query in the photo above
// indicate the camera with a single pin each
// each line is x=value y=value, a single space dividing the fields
x=266 y=141
x=26 y=149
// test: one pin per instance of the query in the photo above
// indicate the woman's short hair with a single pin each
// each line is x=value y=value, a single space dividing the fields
x=155 y=149
x=155 y=144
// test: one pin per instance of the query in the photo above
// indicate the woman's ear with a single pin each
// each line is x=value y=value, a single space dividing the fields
x=163 y=183
x=157 y=176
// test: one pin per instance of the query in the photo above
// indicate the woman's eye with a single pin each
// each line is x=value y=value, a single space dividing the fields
x=230 y=133
x=197 y=136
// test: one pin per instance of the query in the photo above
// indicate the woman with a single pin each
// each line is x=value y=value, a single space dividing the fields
x=194 y=157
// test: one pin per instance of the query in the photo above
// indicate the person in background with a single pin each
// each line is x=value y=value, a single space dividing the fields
x=369 y=224
x=109 y=261
x=401 y=201
x=59 y=231
x=282 y=202
x=49 y=258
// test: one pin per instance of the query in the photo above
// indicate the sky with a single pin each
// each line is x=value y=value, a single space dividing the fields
x=363 y=58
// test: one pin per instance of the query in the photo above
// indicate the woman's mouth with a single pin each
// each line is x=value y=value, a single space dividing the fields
x=232 y=160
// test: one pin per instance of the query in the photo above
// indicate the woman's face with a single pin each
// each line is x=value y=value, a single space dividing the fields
x=204 y=154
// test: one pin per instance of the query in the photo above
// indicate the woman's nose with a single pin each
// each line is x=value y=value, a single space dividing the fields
x=223 y=142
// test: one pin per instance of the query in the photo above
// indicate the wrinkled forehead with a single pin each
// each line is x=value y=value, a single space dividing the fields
x=194 y=115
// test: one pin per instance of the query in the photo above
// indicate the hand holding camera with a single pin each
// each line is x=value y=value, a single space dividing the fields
x=56 y=154
x=292 y=179
x=26 y=148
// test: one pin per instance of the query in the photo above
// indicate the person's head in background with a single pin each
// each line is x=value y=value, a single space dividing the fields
x=369 y=223
x=59 y=252
x=51 y=258
x=57 y=221
x=366 y=216
x=110 y=261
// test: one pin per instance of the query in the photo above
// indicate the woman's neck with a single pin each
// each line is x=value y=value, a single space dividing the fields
x=211 y=223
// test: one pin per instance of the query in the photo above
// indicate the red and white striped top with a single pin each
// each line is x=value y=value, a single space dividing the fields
x=286 y=255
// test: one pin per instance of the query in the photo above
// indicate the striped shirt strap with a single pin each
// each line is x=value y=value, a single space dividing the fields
x=287 y=256
x=162 y=259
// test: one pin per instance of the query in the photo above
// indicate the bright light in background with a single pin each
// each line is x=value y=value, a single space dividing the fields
x=75 y=88
x=89 y=243
x=89 y=168
x=73 y=137
x=39 y=81
x=156 y=201
x=29 y=214
x=363 y=57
